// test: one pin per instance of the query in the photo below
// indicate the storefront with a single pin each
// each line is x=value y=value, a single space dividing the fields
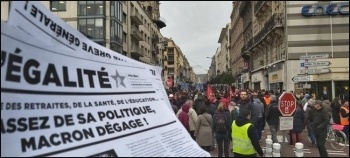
x=258 y=80
x=330 y=84
x=245 y=80
x=276 y=80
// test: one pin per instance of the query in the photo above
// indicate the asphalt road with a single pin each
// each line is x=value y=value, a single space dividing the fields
x=288 y=150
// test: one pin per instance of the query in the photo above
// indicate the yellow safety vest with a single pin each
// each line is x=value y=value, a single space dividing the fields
x=240 y=140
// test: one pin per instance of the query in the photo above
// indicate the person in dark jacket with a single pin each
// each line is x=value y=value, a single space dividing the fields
x=241 y=145
x=319 y=126
x=181 y=101
x=199 y=103
x=308 y=121
x=244 y=102
x=272 y=115
x=335 y=105
x=257 y=113
x=298 y=120
x=211 y=108
x=222 y=139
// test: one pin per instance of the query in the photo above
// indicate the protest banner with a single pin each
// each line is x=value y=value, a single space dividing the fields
x=57 y=102
x=35 y=20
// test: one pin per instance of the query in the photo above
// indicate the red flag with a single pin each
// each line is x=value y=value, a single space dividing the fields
x=230 y=94
x=209 y=91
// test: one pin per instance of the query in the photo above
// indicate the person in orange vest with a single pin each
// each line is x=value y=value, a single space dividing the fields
x=267 y=98
x=344 y=117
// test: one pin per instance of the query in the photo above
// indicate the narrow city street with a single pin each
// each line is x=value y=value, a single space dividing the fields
x=289 y=151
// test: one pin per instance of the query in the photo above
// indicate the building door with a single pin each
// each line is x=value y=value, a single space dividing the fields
x=256 y=86
x=341 y=89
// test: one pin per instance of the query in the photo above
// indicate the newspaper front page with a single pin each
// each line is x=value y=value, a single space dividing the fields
x=62 y=102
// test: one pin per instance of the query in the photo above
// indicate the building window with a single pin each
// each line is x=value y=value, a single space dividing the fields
x=116 y=10
x=92 y=28
x=116 y=31
x=91 y=8
x=124 y=37
x=124 y=18
x=57 y=6
x=116 y=47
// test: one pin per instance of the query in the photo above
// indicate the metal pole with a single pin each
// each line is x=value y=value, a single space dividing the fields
x=284 y=136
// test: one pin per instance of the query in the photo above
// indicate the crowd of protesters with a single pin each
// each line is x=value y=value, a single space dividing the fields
x=221 y=118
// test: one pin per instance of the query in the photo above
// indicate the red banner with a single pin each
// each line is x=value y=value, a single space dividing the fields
x=209 y=91
x=230 y=94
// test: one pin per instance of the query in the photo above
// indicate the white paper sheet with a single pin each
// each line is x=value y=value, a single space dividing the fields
x=60 y=102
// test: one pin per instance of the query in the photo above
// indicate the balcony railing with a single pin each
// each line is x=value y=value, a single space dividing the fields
x=136 y=17
x=258 y=6
x=136 y=34
x=155 y=38
x=170 y=58
x=247 y=46
x=243 y=6
x=171 y=52
x=276 y=20
x=136 y=51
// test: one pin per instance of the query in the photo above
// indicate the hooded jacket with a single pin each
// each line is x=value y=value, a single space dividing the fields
x=320 y=121
x=183 y=116
x=241 y=121
x=192 y=117
x=326 y=104
x=257 y=110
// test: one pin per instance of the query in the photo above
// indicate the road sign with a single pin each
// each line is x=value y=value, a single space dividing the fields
x=319 y=56
x=314 y=71
x=286 y=123
x=318 y=63
x=287 y=104
x=301 y=78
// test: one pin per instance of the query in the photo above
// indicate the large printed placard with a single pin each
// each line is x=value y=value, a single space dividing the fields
x=37 y=21
x=57 y=102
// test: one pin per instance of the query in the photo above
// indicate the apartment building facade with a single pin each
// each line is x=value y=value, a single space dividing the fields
x=143 y=40
x=176 y=65
x=212 y=69
x=275 y=35
x=223 y=56
x=238 y=66
x=319 y=27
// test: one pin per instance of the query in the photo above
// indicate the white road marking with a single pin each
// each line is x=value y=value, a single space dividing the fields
x=337 y=154
x=306 y=152
x=303 y=149
x=279 y=138
x=335 y=151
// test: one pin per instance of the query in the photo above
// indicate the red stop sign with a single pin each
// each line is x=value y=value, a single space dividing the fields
x=287 y=104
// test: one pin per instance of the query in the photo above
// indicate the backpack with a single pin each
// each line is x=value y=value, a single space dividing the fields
x=221 y=124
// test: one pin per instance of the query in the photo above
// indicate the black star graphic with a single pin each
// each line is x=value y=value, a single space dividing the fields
x=119 y=79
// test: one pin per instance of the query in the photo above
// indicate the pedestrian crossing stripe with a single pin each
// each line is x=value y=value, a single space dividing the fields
x=306 y=152
x=279 y=138
x=335 y=151
x=303 y=149
x=337 y=154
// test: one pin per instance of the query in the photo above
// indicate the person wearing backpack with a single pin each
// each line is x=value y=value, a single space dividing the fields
x=257 y=111
x=221 y=127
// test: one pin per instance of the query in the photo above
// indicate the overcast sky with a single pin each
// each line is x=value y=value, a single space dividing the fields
x=195 y=27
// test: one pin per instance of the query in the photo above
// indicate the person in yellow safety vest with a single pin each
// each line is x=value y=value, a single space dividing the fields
x=344 y=117
x=245 y=141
